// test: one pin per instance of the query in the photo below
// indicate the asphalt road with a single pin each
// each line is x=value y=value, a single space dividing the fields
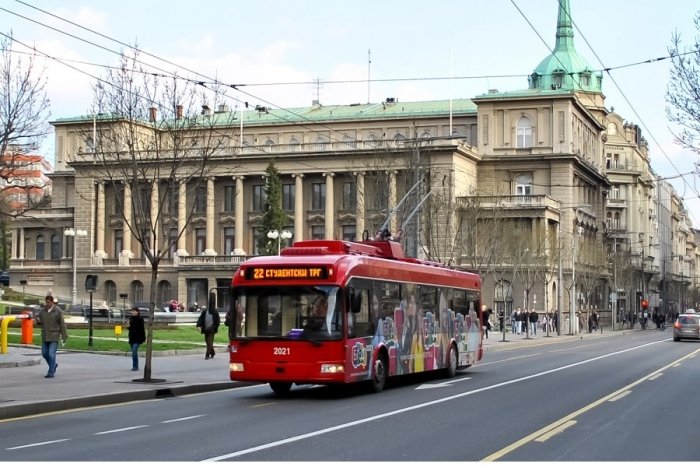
x=623 y=398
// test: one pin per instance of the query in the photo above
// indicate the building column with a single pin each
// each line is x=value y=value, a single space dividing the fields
x=209 y=247
x=100 y=253
x=20 y=252
x=155 y=207
x=391 y=205
x=126 y=253
x=360 y=206
x=182 y=219
x=298 y=207
x=330 y=207
x=238 y=233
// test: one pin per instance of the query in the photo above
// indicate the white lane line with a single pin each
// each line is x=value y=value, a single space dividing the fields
x=362 y=421
x=24 y=446
x=118 y=430
x=181 y=419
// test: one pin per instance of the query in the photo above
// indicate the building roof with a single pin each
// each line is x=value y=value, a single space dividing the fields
x=388 y=109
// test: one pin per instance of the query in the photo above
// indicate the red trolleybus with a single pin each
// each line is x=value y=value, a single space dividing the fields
x=331 y=312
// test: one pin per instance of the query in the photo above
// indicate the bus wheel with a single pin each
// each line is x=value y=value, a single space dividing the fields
x=451 y=364
x=281 y=389
x=379 y=374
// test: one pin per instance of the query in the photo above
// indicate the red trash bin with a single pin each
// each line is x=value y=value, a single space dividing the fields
x=27 y=328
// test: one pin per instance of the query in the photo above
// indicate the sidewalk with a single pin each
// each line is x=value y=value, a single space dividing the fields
x=86 y=379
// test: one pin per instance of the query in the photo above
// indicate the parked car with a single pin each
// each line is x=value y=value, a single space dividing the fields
x=5 y=278
x=687 y=326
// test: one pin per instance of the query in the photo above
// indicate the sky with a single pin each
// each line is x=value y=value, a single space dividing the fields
x=289 y=53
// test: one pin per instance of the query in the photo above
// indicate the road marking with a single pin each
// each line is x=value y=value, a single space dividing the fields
x=181 y=419
x=556 y=431
x=118 y=430
x=552 y=426
x=443 y=384
x=263 y=405
x=655 y=376
x=363 y=421
x=24 y=446
x=619 y=396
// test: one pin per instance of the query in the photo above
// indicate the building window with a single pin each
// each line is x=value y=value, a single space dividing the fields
x=137 y=291
x=229 y=237
x=608 y=161
x=55 y=247
x=40 y=254
x=119 y=201
x=164 y=293
x=321 y=143
x=349 y=195
x=172 y=242
x=524 y=133
x=557 y=79
x=200 y=238
x=145 y=202
x=318 y=196
x=257 y=234
x=200 y=200
x=294 y=145
x=118 y=242
x=349 y=233
x=229 y=198
x=259 y=198
x=318 y=232
x=111 y=293
x=616 y=221
x=288 y=197
x=172 y=195
x=146 y=242
x=523 y=185
x=615 y=192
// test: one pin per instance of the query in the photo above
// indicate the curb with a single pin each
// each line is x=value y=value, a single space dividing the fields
x=44 y=407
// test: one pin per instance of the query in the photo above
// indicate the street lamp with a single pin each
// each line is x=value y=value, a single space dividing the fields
x=276 y=234
x=75 y=233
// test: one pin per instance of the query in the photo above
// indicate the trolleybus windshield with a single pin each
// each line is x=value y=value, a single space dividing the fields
x=294 y=312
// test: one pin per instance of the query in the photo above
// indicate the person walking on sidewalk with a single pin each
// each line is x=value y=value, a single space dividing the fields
x=208 y=324
x=137 y=336
x=53 y=329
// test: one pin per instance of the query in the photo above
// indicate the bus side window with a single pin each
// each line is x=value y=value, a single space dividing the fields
x=360 y=321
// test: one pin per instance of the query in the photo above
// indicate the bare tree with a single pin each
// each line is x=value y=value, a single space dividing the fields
x=683 y=92
x=156 y=153
x=480 y=234
x=24 y=114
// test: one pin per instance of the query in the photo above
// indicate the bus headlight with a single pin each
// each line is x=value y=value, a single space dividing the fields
x=235 y=367
x=332 y=368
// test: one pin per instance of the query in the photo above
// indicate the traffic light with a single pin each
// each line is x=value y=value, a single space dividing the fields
x=645 y=304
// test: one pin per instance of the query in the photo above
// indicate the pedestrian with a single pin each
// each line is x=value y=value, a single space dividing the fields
x=208 y=324
x=53 y=329
x=137 y=336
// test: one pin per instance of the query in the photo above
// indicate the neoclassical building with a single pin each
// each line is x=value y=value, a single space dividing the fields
x=549 y=159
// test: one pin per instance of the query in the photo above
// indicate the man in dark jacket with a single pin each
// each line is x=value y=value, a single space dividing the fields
x=208 y=324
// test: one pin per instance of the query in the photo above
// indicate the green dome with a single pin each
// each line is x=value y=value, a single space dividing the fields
x=565 y=68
